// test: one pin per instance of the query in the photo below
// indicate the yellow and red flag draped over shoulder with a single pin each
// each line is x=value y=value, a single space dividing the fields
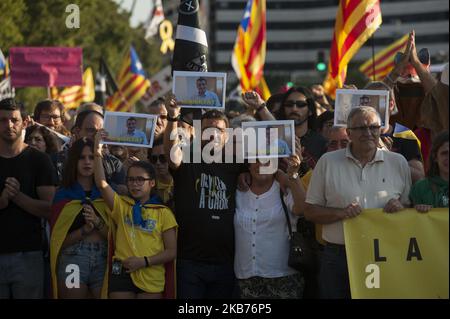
x=249 y=52
x=356 y=21
x=67 y=205
x=73 y=96
x=383 y=60
x=132 y=84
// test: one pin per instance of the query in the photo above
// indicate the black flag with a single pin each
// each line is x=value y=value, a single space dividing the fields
x=191 y=47
x=191 y=44
x=104 y=84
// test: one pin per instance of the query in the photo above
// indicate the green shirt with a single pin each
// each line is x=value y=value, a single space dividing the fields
x=430 y=191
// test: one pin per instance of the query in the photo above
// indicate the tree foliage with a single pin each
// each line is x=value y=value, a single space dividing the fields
x=104 y=32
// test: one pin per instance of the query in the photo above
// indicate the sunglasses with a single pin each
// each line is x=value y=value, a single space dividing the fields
x=139 y=180
x=299 y=104
x=154 y=159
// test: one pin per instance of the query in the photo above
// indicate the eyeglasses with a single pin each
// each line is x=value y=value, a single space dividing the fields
x=163 y=117
x=48 y=117
x=299 y=104
x=139 y=180
x=154 y=158
x=374 y=129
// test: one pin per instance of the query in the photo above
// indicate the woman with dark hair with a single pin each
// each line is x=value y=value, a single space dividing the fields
x=42 y=139
x=432 y=191
x=299 y=106
x=79 y=224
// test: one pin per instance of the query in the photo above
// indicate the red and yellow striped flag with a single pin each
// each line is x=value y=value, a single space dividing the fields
x=249 y=53
x=356 y=21
x=73 y=96
x=383 y=60
x=132 y=84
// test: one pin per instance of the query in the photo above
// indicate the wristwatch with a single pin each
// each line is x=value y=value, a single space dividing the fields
x=294 y=176
x=174 y=119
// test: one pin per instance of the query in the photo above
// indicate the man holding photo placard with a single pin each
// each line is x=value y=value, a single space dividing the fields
x=204 y=194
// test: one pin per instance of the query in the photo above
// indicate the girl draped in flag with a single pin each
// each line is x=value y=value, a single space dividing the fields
x=144 y=233
x=79 y=223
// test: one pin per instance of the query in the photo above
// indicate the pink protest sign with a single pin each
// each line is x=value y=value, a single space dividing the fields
x=46 y=66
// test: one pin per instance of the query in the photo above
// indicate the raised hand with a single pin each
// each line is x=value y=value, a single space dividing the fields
x=293 y=165
x=98 y=147
x=172 y=107
x=252 y=99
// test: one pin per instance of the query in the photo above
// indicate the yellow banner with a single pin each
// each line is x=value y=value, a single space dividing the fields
x=401 y=255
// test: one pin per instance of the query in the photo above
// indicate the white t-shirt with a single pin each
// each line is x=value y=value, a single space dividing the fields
x=261 y=234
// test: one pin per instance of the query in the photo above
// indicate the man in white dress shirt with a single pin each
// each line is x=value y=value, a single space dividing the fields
x=347 y=181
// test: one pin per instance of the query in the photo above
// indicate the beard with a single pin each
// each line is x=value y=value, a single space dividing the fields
x=298 y=119
x=11 y=137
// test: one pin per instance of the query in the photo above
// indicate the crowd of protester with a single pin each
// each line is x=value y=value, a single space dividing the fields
x=158 y=224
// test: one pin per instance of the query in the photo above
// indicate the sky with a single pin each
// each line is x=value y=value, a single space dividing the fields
x=141 y=11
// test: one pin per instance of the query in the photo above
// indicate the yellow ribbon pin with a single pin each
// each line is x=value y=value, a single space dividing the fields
x=165 y=32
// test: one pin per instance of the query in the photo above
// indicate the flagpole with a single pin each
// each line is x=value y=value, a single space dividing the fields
x=373 y=55
x=49 y=95
x=133 y=6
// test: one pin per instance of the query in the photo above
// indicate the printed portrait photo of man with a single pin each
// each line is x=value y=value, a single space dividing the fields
x=205 y=96
x=133 y=134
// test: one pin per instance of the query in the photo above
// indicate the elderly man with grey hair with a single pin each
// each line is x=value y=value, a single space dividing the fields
x=347 y=181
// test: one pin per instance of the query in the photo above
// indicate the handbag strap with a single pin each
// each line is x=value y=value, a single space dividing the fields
x=288 y=220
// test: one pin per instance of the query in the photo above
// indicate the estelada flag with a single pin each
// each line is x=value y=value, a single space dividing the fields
x=46 y=66
x=249 y=53
x=66 y=207
x=383 y=62
x=133 y=84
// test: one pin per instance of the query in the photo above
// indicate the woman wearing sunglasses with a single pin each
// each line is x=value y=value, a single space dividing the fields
x=164 y=181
